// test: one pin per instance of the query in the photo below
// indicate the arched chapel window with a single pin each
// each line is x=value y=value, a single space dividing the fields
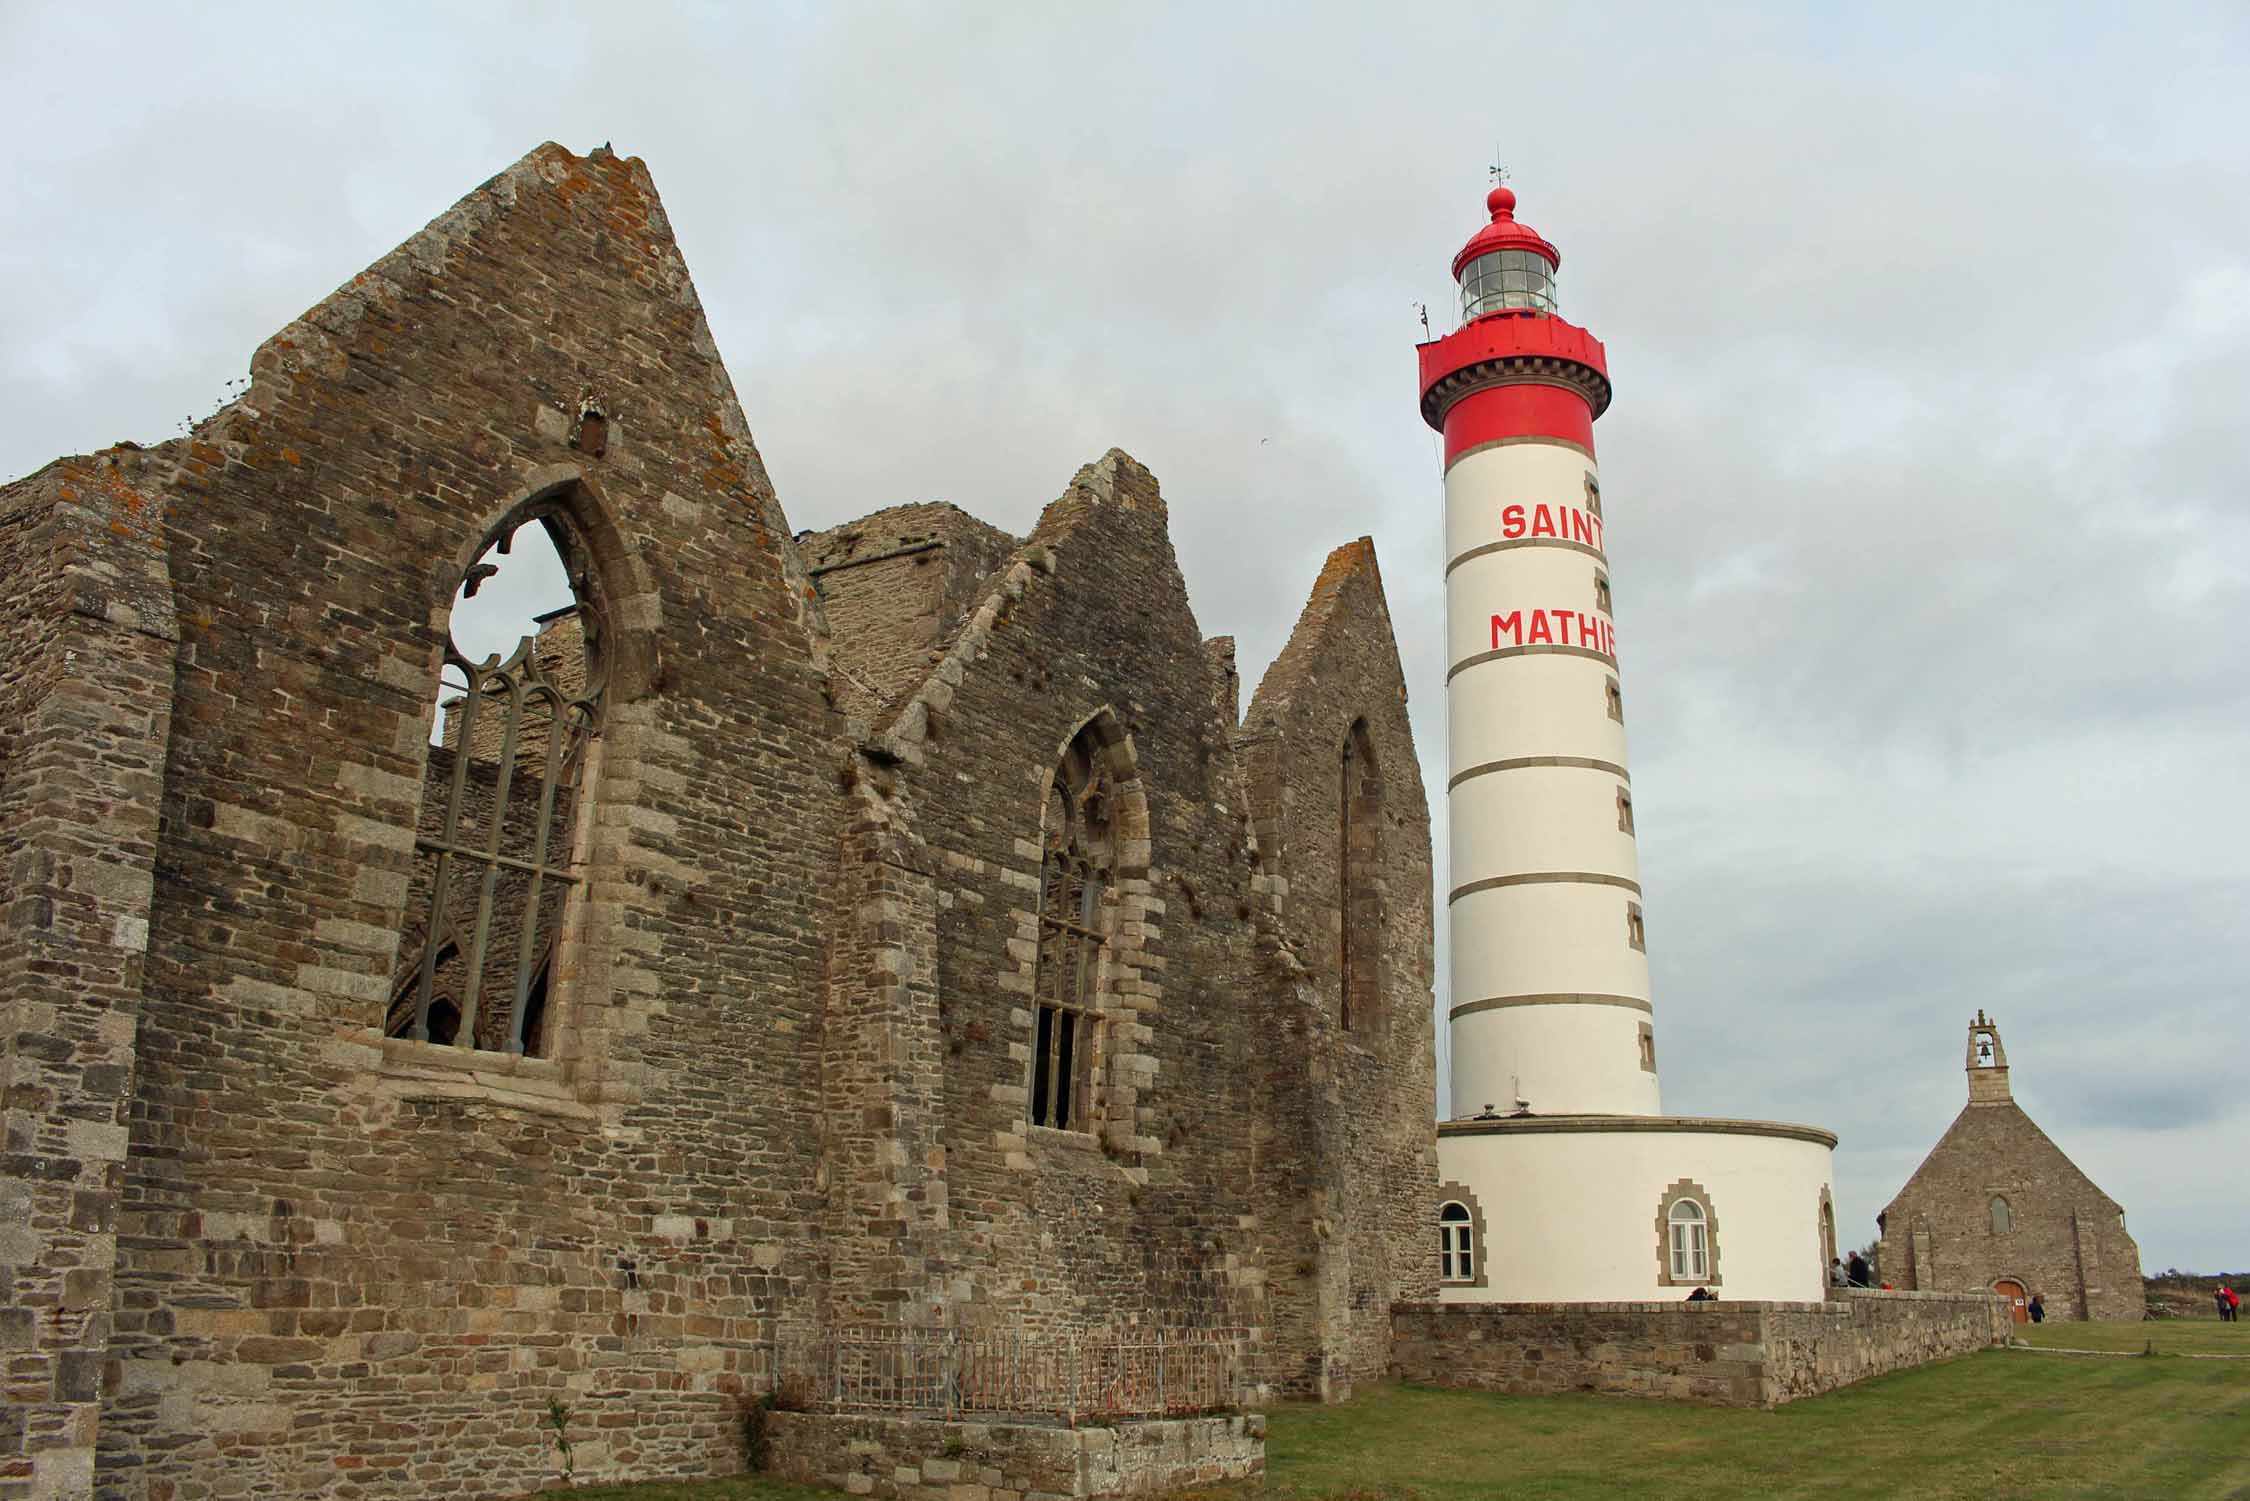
x=520 y=706
x=2003 y=1220
x=1078 y=869
x=1457 y=1250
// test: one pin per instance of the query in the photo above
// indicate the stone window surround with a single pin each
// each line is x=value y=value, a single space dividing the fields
x=1593 y=493
x=1111 y=1103
x=1827 y=1222
x=1686 y=1188
x=1624 y=809
x=1480 y=1244
x=1636 y=931
x=561 y=1081
x=2001 y=1214
x=1648 y=1048
x=1616 y=697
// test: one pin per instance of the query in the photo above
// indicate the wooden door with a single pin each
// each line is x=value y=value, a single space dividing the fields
x=2018 y=1304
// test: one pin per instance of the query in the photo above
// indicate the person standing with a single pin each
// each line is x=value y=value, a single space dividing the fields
x=1835 y=1271
x=1856 y=1273
x=2234 y=1304
x=2039 y=1308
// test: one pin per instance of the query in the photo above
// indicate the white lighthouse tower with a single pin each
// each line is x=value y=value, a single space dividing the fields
x=1564 y=1182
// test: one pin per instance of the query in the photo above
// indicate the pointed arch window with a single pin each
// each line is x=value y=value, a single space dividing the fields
x=496 y=862
x=2003 y=1218
x=1077 y=877
x=1359 y=906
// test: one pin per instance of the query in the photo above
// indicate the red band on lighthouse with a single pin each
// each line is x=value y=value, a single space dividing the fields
x=1526 y=411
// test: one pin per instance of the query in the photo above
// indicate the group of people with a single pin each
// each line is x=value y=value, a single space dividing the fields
x=1854 y=1273
x=2230 y=1304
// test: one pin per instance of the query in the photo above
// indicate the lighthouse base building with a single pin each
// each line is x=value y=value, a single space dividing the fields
x=1561 y=1178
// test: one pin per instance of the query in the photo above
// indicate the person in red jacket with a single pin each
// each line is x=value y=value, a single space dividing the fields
x=2233 y=1301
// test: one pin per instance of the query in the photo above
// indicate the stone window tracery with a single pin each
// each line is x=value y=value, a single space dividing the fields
x=496 y=864
x=1077 y=874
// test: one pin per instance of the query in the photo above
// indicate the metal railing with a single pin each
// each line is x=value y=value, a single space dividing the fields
x=1073 y=1377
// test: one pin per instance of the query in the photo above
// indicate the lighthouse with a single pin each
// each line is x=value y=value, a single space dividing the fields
x=1563 y=1179
x=1550 y=1008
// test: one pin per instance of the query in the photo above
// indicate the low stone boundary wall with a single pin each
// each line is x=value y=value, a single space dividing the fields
x=1748 y=1354
x=924 y=1459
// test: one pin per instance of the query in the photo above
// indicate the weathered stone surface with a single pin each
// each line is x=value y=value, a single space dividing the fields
x=249 y=1230
x=1727 y=1354
x=908 y=1459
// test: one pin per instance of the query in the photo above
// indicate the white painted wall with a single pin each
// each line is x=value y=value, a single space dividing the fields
x=1571 y=1216
x=1547 y=937
x=1589 y=1055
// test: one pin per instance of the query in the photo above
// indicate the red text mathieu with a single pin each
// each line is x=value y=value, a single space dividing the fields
x=1555 y=628
x=1563 y=523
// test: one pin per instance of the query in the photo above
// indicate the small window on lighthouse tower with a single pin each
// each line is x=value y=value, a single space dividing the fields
x=1624 y=811
x=1601 y=593
x=1635 y=933
x=1593 y=495
x=1456 y=1244
x=1616 y=697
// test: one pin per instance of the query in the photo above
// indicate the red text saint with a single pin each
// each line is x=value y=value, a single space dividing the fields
x=1563 y=523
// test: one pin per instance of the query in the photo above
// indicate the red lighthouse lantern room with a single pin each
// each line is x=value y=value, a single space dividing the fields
x=1513 y=369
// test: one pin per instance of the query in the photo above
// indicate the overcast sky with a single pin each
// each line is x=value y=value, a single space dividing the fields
x=1931 y=339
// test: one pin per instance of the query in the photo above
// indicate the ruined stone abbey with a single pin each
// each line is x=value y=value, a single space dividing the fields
x=897 y=933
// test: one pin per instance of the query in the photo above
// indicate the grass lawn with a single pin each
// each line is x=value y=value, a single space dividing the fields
x=2002 y=1423
x=2170 y=1336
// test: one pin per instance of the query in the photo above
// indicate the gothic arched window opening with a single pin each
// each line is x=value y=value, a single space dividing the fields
x=1359 y=907
x=2003 y=1219
x=1077 y=872
x=502 y=803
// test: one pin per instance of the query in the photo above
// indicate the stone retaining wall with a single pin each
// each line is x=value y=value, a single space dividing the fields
x=1748 y=1354
x=916 y=1459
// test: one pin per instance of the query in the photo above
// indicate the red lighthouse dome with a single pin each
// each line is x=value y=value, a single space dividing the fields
x=1513 y=368
x=1506 y=267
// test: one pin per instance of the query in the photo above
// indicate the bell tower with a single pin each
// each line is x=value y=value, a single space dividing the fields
x=1988 y=1063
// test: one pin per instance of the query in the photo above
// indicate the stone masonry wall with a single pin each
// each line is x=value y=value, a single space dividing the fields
x=250 y=1245
x=1347 y=1148
x=908 y=1459
x=1727 y=1354
x=1140 y=1217
x=86 y=616
x=343 y=1257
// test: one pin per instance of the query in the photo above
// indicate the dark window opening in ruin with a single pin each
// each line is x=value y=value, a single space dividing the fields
x=1616 y=701
x=519 y=708
x=1456 y=1244
x=1359 y=907
x=1078 y=870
